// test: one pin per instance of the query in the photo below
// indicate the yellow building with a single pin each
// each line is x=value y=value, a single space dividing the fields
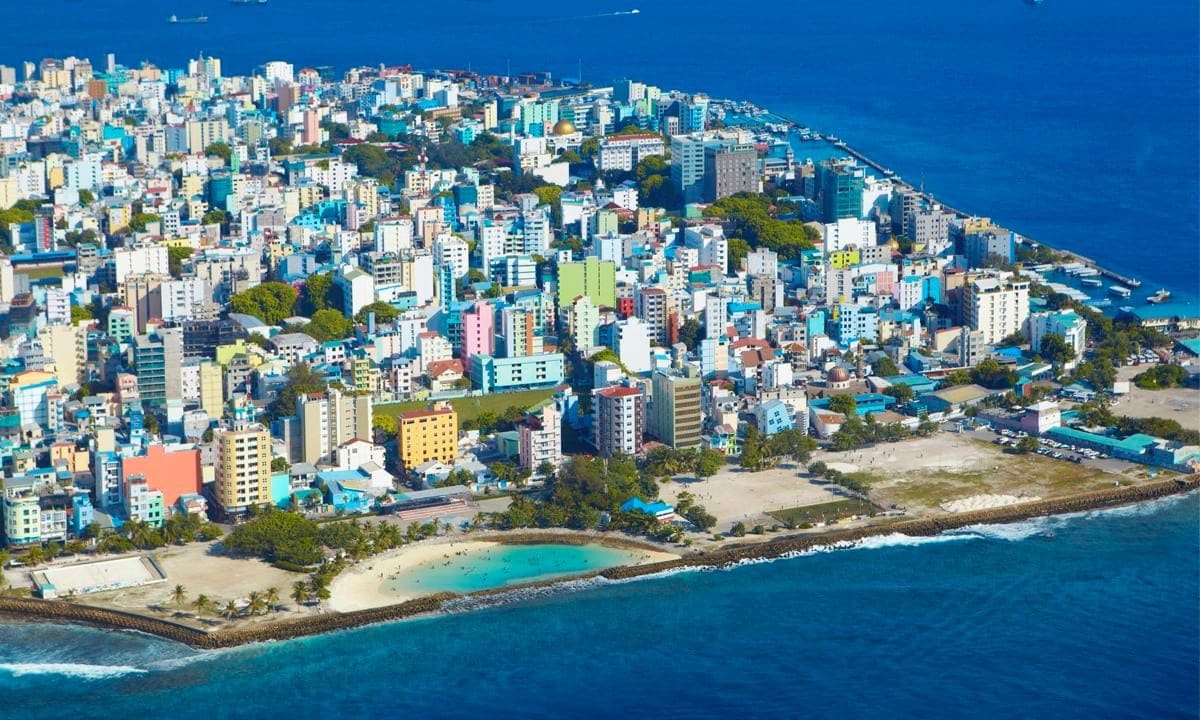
x=212 y=394
x=424 y=435
x=843 y=258
x=22 y=513
x=243 y=467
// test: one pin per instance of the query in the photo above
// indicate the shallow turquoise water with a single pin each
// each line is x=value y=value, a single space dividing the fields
x=505 y=565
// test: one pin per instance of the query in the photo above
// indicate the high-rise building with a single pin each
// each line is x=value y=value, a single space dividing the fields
x=158 y=362
x=591 y=277
x=424 y=435
x=212 y=391
x=996 y=307
x=840 y=189
x=675 y=417
x=478 y=331
x=620 y=419
x=243 y=467
x=540 y=438
x=329 y=419
x=651 y=305
x=687 y=166
x=730 y=168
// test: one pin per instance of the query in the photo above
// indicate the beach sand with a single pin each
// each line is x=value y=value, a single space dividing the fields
x=366 y=585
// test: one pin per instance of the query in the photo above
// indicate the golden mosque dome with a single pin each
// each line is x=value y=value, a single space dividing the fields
x=564 y=127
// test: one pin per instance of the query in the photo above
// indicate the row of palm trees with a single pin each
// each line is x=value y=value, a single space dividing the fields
x=257 y=603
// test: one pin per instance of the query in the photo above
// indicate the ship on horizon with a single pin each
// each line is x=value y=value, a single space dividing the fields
x=248 y=2
x=198 y=20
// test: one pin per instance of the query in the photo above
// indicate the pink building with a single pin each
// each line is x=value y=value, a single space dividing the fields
x=478 y=331
x=173 y=470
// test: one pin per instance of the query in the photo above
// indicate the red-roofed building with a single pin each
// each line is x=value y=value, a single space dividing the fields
x=620 y=421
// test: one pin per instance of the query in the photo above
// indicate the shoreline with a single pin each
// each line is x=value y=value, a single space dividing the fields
x=862 y=157
x=57 y=610
x=357 y=588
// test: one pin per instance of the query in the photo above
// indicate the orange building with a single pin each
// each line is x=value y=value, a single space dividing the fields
x=173 y=472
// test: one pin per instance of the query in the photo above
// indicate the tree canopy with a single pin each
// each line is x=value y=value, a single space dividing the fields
x=271 y=302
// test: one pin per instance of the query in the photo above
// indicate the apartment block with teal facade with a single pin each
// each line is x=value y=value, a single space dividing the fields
x=499 y=374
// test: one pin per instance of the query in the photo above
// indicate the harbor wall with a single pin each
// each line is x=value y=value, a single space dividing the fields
x=58 y=610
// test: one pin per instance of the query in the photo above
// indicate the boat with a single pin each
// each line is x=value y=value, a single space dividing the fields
x=634 y=11
x=1118 y=291
x=1090 y=282
x=1159 y=297
x=248 y=2
x=198 y=20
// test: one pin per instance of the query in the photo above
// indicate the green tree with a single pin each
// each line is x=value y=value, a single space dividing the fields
x=279 y=465
x=1026 y=444
x=221 y=150
x=709 y=463
x=139 y=221
x=327 y=325
x=384 y=312
x=79 y=313
x=203 y=604
x=844 y=405
x=690 y=333
x=698 y=516
x=216 y=216
x=903 y=393
x=752 y=451
x=885 y=367
x=1056 y=350
x=320 y=293
x=271 y=302
x=86 y=197
x=179 y=595
x=176 y=254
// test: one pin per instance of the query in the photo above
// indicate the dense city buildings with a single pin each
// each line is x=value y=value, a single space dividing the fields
x=320 y=290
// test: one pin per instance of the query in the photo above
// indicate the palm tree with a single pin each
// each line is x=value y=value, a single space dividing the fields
x=272 y=598
x=300 y=592
x=230 y=611
x=179 y=594
x=257 y=604
x=203 y=604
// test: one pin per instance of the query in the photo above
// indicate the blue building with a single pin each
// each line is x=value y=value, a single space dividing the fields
x=865 y=403
x=497 y=374
x=855 y=322
x=774 y=416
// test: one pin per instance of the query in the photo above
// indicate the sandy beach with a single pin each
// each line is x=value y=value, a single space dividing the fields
x=368 y=584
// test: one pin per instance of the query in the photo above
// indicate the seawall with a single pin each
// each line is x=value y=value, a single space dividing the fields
x=34 y=609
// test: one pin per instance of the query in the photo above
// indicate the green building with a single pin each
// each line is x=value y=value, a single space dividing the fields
x=591 y=277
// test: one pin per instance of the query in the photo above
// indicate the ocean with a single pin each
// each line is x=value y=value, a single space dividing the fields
x=1074 y=122
x=1084 y=616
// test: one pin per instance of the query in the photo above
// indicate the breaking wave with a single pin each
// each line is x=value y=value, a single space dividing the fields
x=76 y=670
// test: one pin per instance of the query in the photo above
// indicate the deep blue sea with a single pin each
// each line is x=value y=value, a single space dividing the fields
x=1086 y=616
x=1074 y=122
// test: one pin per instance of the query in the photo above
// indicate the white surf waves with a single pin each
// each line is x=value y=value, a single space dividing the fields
x=75 y=670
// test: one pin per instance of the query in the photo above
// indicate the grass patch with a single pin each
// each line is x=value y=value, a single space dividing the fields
x=41 y=273
x=469 y=408
x=823 y=512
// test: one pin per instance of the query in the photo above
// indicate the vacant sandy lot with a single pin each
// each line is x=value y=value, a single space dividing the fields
x=220 y=578
x=733 y=494
x=1179 y=404
x=923 y=473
